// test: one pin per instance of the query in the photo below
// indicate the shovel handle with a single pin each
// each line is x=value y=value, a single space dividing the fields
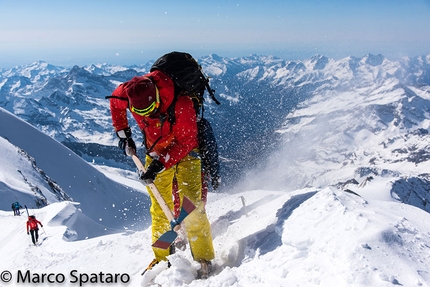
x=155 y=192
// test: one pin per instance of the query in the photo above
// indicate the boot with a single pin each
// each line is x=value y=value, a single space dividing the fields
x=180 y=243
x=152 y=264
x=205 y=269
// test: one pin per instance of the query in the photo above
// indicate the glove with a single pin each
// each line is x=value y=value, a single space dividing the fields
x=126 y=142
x=127 y=145
x=154 y=167
x=28 y=233
x=216 y=180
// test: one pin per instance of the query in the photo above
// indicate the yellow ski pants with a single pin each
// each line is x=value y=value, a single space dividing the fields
x=188 y=176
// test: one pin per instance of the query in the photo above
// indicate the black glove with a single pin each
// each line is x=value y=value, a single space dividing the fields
x=216 y=180
x=125 y=141
x=28 y=233
x=154 y=167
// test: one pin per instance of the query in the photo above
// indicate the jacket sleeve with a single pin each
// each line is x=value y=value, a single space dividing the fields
x=118 y=108
x=185 y=132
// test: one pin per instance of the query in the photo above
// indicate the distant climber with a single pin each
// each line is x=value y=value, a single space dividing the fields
x=33 y=228
x=15 y=207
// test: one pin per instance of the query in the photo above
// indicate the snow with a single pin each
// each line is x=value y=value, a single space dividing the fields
x=303 y=238
x=307 y=237
x=102 y=199
x=299 y=228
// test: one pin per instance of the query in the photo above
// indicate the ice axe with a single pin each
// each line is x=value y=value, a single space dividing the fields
x=168 y=237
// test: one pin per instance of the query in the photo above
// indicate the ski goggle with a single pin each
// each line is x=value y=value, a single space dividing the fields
x=150 y=109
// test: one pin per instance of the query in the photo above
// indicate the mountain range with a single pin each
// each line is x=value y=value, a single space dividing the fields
x=264 y=100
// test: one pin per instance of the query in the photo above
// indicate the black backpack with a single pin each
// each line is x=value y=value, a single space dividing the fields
x=187 y=76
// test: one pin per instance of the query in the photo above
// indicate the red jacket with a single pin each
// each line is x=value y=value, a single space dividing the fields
x=172 y=142
x=32 y=224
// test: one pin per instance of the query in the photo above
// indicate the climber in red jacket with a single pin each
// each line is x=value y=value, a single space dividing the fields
x=171 y=146
x=33 y=228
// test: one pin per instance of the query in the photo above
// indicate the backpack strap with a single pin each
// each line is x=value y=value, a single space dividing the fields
x=171 y=109
x=171 y=112
x=116 y=97
x=211 y=92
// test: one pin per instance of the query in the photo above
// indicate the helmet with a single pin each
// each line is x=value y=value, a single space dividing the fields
x=143 y=96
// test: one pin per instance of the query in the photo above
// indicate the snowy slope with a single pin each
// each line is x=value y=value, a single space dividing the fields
x=22 y=181
x=304 y=238
x=101 y=199
x=307 y=237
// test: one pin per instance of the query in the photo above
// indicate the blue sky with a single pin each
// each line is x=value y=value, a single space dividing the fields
x=133 y=32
